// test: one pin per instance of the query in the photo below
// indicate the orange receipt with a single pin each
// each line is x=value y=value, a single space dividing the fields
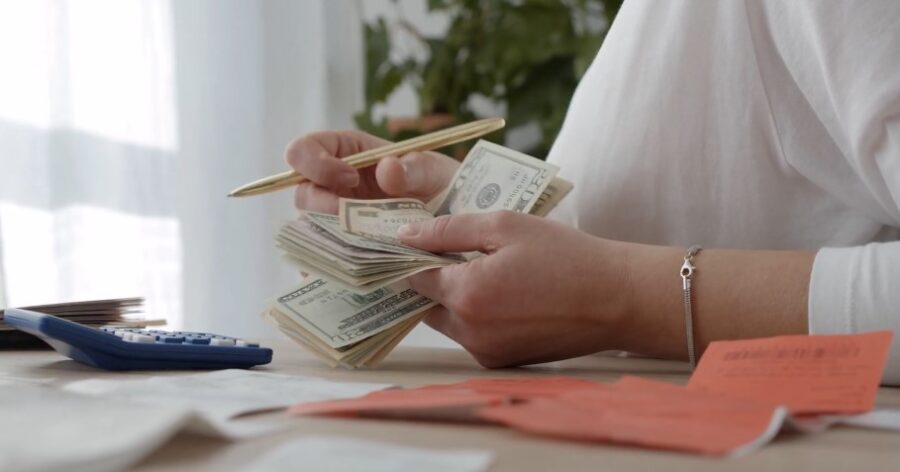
x=647 y=413
x=808 y=374
x=447 y=402
x=523 y=388
x=453 y=405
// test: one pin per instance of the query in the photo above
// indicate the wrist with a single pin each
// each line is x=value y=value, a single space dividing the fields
x=653 y=323
x=602 y=298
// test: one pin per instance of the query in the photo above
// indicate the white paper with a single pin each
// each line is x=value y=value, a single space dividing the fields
x=220 y=396
x=343 y=454
x=882 y=418
x=43 y=429
x=779 y=417
x=876 y=419
x=7 y=380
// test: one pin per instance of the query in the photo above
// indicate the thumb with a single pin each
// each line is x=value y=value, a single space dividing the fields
x=419 y=174
x=484 y=232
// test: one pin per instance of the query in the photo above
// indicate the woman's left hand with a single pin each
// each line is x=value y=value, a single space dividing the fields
x=542 y=292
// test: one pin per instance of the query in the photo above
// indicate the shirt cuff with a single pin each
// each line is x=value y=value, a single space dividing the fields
x=853 y=290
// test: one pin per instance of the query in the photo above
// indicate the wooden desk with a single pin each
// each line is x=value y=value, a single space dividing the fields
x=837 y=449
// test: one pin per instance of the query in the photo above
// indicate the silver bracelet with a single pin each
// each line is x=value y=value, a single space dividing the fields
x=687 y=273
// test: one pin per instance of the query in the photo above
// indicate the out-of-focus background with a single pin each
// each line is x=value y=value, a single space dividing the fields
x=124 y=123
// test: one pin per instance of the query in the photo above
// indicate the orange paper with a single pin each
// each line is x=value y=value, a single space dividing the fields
x=520 y=389
x=647 y=413
x=414 y=404
x=446 y=402
x=808 y=374
x=736 y=401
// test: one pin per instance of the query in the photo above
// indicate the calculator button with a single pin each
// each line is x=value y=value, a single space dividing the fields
x=142 y=338
x=119 y=332
x=221 y=342
x=171 y=339
x=196 y=340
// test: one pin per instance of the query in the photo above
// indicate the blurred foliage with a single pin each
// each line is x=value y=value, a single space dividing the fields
x=526 y=54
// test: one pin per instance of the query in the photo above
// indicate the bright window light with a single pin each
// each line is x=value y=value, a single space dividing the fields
x=83 y=252
x=104 y=67
x=26 y=55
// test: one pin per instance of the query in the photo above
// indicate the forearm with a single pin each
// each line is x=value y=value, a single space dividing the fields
x=736 y=294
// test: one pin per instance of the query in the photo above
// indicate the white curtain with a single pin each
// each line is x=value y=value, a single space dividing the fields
x=88 y=136
x=123 y=125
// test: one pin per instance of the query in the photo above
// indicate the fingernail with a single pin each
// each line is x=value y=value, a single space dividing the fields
x=408 y=230
x=348 y=179
x=413 y=175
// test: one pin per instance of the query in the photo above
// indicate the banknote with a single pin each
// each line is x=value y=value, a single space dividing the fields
x=380 y=219
x=349 y=258
x=332 y=224
x=493 y=178
x=366 y=353
x=340 y=316
x=553 y=194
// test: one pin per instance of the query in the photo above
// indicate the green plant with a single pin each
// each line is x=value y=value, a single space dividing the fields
x=525 y=54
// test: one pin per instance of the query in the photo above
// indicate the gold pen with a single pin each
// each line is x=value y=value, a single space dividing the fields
x=426 y=142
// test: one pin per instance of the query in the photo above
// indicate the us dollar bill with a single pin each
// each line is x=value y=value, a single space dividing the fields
x=553 y=194
x=380 y=219
x=493 y=178
x=340 y=316
x=332 y=225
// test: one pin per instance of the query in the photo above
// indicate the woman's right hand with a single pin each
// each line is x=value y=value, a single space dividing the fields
x=421 y=175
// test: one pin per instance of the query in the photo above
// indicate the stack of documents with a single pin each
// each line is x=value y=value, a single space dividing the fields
x=125 y=312
x=741 y=395
x=355 y=304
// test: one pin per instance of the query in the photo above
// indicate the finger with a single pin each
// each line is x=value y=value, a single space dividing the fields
x=421 y=174
x=346 y=142
x=484 y=232
x=313 y=157
x=437 y=317
x=436 y=284
x=310 y=196
x=325 y=170
x=441 y=320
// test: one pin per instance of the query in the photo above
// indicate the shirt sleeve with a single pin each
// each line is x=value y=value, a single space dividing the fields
x=857 y=289
x=845 y=59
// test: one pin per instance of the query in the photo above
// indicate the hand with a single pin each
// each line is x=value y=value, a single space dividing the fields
x=543 y=292
x=419 y=175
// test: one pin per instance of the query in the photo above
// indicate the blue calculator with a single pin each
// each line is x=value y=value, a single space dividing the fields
x=115 y=348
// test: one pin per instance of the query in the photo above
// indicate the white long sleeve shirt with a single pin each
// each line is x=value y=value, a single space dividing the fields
x=750 y=124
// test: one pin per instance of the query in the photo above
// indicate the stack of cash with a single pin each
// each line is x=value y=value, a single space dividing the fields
x=354 y=304
x=322 y=244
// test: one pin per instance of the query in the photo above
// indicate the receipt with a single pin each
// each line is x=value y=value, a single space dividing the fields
x=46 y=429
x=808 y=374
x=647 y=413
x=220 y=397
x=341 y=454
x=99 y=425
